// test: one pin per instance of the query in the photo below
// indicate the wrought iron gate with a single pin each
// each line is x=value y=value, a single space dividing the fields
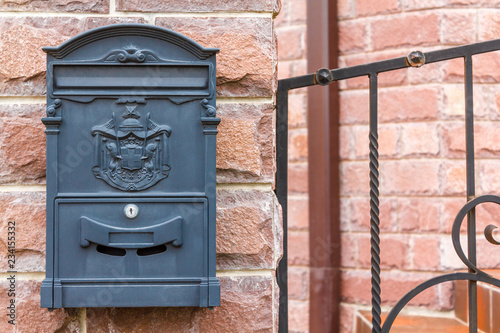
x=371 y=70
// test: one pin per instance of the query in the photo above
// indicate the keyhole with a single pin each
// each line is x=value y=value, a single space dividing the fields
x=131 y=211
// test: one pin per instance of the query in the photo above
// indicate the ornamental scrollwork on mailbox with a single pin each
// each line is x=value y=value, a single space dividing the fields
x=131 y=151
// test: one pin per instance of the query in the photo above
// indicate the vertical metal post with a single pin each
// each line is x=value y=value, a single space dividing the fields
x=282 y=195
x=471 y=216
x=374 y=206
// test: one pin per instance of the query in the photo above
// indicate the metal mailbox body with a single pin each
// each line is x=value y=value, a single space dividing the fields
x=131 y=134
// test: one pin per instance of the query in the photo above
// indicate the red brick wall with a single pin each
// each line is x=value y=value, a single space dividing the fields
x=248 y=225
x=421 y=115
x=291 y=31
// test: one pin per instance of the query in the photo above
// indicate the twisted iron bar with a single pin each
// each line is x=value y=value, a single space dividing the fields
x=374 y=233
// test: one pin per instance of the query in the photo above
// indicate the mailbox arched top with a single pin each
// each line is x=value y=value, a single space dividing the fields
x=130 y=29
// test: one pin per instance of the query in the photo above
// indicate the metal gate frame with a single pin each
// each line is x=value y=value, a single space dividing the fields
x=371 y=70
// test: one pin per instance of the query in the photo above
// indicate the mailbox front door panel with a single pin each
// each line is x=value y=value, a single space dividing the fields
x=158 y=243
x=131 y=132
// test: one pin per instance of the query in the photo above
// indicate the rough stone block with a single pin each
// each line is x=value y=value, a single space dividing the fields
x=22 y=144
x=245 y=233
x=246 y=64
x=22 y=61
x=245 y=151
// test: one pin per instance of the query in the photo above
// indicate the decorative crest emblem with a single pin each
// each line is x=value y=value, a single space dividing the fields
x=131 y=153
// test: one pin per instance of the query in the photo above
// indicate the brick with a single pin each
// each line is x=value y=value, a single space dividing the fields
x=354 y=178
x=247 y=304
x=410 y=177
x=488 y=25
x=344 y=9
x=291 y=42
x=298 y=248
x=285 y=69
x=349 y=250
x=298 y=11
x=426 y=253
x=247 y=59
x=355 y=286
x=298 y=180
x=487 y=253
x=345 y=142
x=489 y=180
x=416 y=4
x=364 y=251
x=354 y=107
x=458 y=27
x=454 y=101
x=245 y=151
x=486 y=214
x=388 y=140
x=297 y=145
x=22 y=144
x=360 y=214
x=455 y=178
x=450 y=209
x=283 y=18
x=449 y=258
x=27 y=36
x=30 y=317
x=27 y=210
x=298 y=213
x=408 y=103
x=454 y=139
x=418 y=214
x=83 y=6
x=299 y=316
x=345 y=214
x=362 y=141
x=430 y=73
x=298 y=283
x=245 y=236
x=393 y=252
x=394 y=31
x=396 y=284
x=367 y=7
x=486 y=67
x=297 y=109
x=352 y=36
x=486 y=139
x=453 y=70
x=420 y=139
x=346 y=318
x=194 y=6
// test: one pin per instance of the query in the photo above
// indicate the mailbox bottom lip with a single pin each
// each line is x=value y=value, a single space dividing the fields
x=201 y=294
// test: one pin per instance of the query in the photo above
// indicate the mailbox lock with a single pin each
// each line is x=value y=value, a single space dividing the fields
x=131 y=211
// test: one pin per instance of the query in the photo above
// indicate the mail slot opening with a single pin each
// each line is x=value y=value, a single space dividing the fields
x=148 y=251
x=112 y=251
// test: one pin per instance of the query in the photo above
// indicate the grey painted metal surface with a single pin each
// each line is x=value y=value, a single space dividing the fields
x=131 y=133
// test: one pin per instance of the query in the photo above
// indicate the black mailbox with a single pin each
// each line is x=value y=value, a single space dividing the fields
x=131 y=133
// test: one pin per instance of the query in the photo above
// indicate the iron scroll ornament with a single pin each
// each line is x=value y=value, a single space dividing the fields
x=131 y=154
x=475 y=274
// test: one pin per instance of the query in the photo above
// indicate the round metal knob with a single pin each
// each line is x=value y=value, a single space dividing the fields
x=131 y=211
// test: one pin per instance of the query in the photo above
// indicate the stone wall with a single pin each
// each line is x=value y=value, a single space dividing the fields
x=248 y=224
x=421 y=116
